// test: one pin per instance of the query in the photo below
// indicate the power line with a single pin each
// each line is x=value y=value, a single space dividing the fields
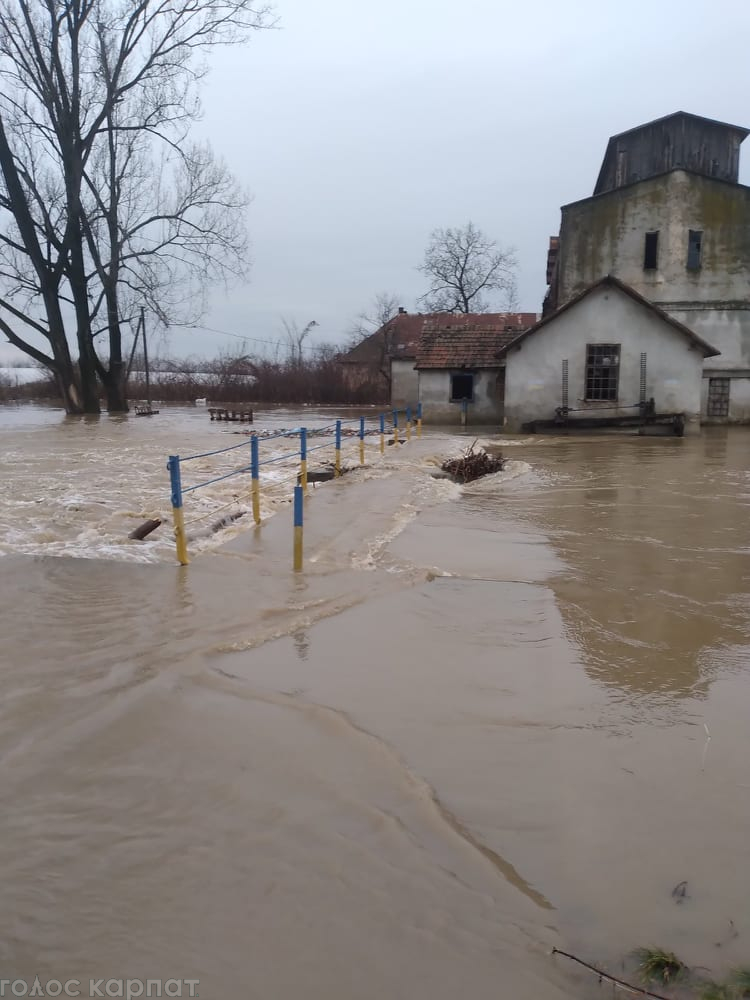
x=256 y=340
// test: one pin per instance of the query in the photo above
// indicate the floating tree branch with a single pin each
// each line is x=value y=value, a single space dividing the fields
x=606 y=977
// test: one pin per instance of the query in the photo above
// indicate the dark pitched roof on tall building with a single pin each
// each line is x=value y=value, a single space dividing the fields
x=680 y=141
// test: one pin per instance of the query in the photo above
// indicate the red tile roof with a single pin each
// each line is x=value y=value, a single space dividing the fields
x=469 y=341
x=405 y=331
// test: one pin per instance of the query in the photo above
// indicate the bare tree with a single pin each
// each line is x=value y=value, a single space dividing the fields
x=377 y=318
x=383 y=307
x=462 y=265
x=107 y=205
x=510 y=299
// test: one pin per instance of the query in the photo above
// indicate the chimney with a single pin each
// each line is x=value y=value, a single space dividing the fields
x=401 y=311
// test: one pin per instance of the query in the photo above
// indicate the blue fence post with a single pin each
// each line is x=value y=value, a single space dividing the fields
x=298 y=522
x=338 y=448
x=303 y=459
x=178 y=517
x=419 y=420
x=361 y=440
x=255 y=474
x=382 y=433
x=395 y=427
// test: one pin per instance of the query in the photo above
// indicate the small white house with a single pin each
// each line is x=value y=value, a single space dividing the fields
x=604 y=353
x=461 y=374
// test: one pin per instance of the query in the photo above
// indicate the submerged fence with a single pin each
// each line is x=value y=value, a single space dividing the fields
x=335 y=436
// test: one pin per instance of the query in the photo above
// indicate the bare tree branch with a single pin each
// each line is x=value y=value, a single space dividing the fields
x=105 y=202
x=461 y=265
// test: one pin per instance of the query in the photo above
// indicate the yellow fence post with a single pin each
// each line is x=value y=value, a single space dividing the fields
x=395 y=428
x=298 y=521
x=382 y=433
x=419 y=420
x=361 y=440
x=177 y=511
x=408 y=423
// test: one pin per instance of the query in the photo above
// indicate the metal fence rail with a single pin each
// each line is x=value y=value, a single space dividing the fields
x=336 y=432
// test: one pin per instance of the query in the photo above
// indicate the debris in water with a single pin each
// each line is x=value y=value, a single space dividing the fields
x=146 y=528
x=733 y=933
x=607 y=978
x=473 y=465
x=679 y=893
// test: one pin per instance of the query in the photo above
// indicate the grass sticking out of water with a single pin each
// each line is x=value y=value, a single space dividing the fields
x=740 y=979
x=657 y=965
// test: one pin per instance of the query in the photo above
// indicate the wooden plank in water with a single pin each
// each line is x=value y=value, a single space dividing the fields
x=231 y=414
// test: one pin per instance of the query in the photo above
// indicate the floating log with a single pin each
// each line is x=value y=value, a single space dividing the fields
x=473 y=465
x=145 y=529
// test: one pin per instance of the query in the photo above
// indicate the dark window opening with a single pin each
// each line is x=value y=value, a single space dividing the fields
x=718 y=397
x=695 y=249
x=651 y=252
x=462 y=387
x=602 y=371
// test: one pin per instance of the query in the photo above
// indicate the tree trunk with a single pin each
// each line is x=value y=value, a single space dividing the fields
x=69 y=393
x=114 y=387
x=86 y=356
x=77 y=269
x=64 y=370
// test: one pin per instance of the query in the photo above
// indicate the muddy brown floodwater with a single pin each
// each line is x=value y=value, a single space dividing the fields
x=485 y=721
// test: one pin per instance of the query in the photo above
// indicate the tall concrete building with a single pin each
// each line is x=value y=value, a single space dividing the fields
x=669 y=218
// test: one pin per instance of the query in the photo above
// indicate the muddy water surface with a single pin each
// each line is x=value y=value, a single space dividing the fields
x=475 y=728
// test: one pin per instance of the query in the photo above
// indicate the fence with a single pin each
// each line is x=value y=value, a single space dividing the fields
x=296 y=460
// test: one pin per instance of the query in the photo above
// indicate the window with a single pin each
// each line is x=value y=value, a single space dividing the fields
x=695 y=249
x=602 y=371
x=651 y=252
x=462 y=387
x=718 y=397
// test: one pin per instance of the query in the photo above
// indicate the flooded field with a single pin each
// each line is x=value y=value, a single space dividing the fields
x=484 y=722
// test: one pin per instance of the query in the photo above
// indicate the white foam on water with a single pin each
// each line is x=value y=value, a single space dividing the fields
x=491 y=483
x=79 y=488
x=370 y=558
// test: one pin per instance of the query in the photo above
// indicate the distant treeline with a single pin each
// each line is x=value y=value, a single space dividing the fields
x=228 y=379
x=12 y=388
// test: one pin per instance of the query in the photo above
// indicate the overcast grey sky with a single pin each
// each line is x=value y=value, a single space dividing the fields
x=358 y=127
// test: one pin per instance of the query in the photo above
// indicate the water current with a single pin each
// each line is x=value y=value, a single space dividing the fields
x=485 y=721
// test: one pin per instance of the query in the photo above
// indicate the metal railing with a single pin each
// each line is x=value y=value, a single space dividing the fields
x=335 y=433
